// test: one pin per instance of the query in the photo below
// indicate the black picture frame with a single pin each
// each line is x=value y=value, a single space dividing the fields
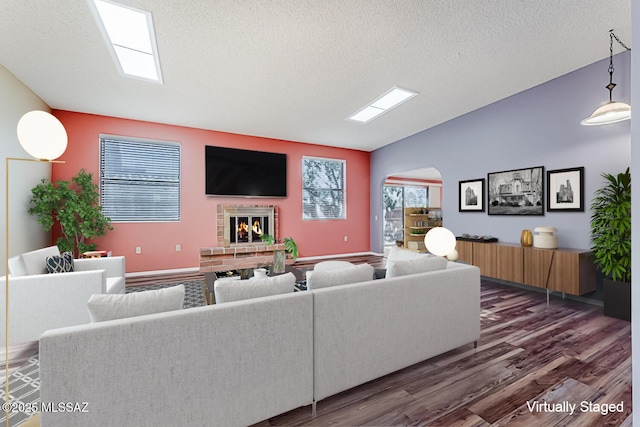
x=516 y=192
x=471 y=195
x=565 y=190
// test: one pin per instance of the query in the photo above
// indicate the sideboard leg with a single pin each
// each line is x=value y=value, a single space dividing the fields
x=313 y=408
x=475 y=344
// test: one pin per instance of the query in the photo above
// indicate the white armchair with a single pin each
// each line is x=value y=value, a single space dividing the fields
x=39 y=301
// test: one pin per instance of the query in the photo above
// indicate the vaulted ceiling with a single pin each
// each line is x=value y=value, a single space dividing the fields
x=296 y=69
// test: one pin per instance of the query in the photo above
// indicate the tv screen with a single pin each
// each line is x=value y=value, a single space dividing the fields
x=245 y=173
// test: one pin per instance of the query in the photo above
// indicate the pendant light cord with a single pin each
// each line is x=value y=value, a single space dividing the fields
x=611 y=84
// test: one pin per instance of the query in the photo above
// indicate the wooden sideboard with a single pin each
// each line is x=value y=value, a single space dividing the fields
x=563 y=270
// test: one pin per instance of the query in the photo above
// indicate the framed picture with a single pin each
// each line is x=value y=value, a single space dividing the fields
x=471 y=195
x=565 y=190
x=516 y=192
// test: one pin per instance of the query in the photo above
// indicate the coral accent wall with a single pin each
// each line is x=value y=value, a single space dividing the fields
x=197 y=227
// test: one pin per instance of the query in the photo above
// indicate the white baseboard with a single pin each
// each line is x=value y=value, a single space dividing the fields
x=313 y=258
x=154 y=272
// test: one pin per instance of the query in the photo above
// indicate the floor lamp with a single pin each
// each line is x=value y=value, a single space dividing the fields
x=44 y=138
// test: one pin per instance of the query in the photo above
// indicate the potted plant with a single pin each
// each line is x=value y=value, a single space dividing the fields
x=74 y=205
x=611 y=242
x=279 y=254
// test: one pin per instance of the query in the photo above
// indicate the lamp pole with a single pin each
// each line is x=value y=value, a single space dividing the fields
x=6 y=269
x=42 y=136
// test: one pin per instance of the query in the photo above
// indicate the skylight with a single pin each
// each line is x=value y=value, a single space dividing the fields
x=131 y=39
x=394 y=97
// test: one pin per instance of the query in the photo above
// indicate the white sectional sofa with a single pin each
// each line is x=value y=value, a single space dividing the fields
x=39 y=301
x=242 y=362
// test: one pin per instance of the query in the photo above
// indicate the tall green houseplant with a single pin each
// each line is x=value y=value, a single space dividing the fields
x=611 y=242
x=611 y=226
x=75 y=206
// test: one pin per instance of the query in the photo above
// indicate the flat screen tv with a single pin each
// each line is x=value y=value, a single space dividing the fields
x=244 y=173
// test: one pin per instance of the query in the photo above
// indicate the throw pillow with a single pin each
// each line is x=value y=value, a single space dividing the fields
x=324 y=279
x=60 y=263
x=104 y=307
x=236 y=290
x=399 y=254
x=414 y=266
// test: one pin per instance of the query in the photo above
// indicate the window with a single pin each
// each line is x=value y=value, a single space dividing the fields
x=415 y=197
x=395 y=199
x=323 y=188
x=139 y=180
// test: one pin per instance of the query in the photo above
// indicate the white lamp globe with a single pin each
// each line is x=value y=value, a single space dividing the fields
x=440 y=241
x=42 y=135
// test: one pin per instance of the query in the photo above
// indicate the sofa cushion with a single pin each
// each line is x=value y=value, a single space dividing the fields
x=324 y=279
x=17 y=267
x=104 y=307
x=115 y=285
x=332 y=265
x=35 y=261
x=423 y=264
x=60 y=263
x=399 y=254
x=235 y=290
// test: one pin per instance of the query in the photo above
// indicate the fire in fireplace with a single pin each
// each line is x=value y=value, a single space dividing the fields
x=247 y=224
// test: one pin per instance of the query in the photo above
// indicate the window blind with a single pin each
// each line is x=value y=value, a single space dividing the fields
x=139 y=181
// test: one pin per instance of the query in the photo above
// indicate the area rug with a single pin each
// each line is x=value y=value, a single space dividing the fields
x=193 y=291
x=24 y=383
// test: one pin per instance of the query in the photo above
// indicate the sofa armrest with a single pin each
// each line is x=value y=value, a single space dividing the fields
x=113 y=265
x=41 y=302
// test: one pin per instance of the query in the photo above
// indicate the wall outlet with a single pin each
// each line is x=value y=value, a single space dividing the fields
x=178 y=248
x=138 y=250
x=346 y=238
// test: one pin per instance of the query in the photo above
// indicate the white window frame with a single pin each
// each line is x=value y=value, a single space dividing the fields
x=343 y=162
x=175 y=183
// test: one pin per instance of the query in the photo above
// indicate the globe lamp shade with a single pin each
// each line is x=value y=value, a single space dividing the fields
x=42 y=135
x=440 y=241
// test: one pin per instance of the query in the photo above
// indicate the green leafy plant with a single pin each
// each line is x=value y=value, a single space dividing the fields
x=74 y=205
x=289 y=244
x=611 y=227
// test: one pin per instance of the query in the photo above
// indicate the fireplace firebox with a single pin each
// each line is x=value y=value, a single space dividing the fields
x=245 y=225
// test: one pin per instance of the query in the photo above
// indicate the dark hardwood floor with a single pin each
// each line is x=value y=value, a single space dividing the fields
x=528 y=353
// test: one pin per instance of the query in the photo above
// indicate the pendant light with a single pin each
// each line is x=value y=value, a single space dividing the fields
x=611 y=112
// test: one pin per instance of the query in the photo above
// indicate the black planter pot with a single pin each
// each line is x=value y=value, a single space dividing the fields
x=617 y=299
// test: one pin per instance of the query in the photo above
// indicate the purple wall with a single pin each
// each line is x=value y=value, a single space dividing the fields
x=537 y=127
x=635 y=211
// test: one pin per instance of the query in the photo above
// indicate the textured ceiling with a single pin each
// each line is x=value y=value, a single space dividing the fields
x=295 y=69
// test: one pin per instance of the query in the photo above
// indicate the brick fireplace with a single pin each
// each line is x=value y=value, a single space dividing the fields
x=238 y=244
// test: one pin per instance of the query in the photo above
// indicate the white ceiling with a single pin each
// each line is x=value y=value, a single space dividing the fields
x=295 y=69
